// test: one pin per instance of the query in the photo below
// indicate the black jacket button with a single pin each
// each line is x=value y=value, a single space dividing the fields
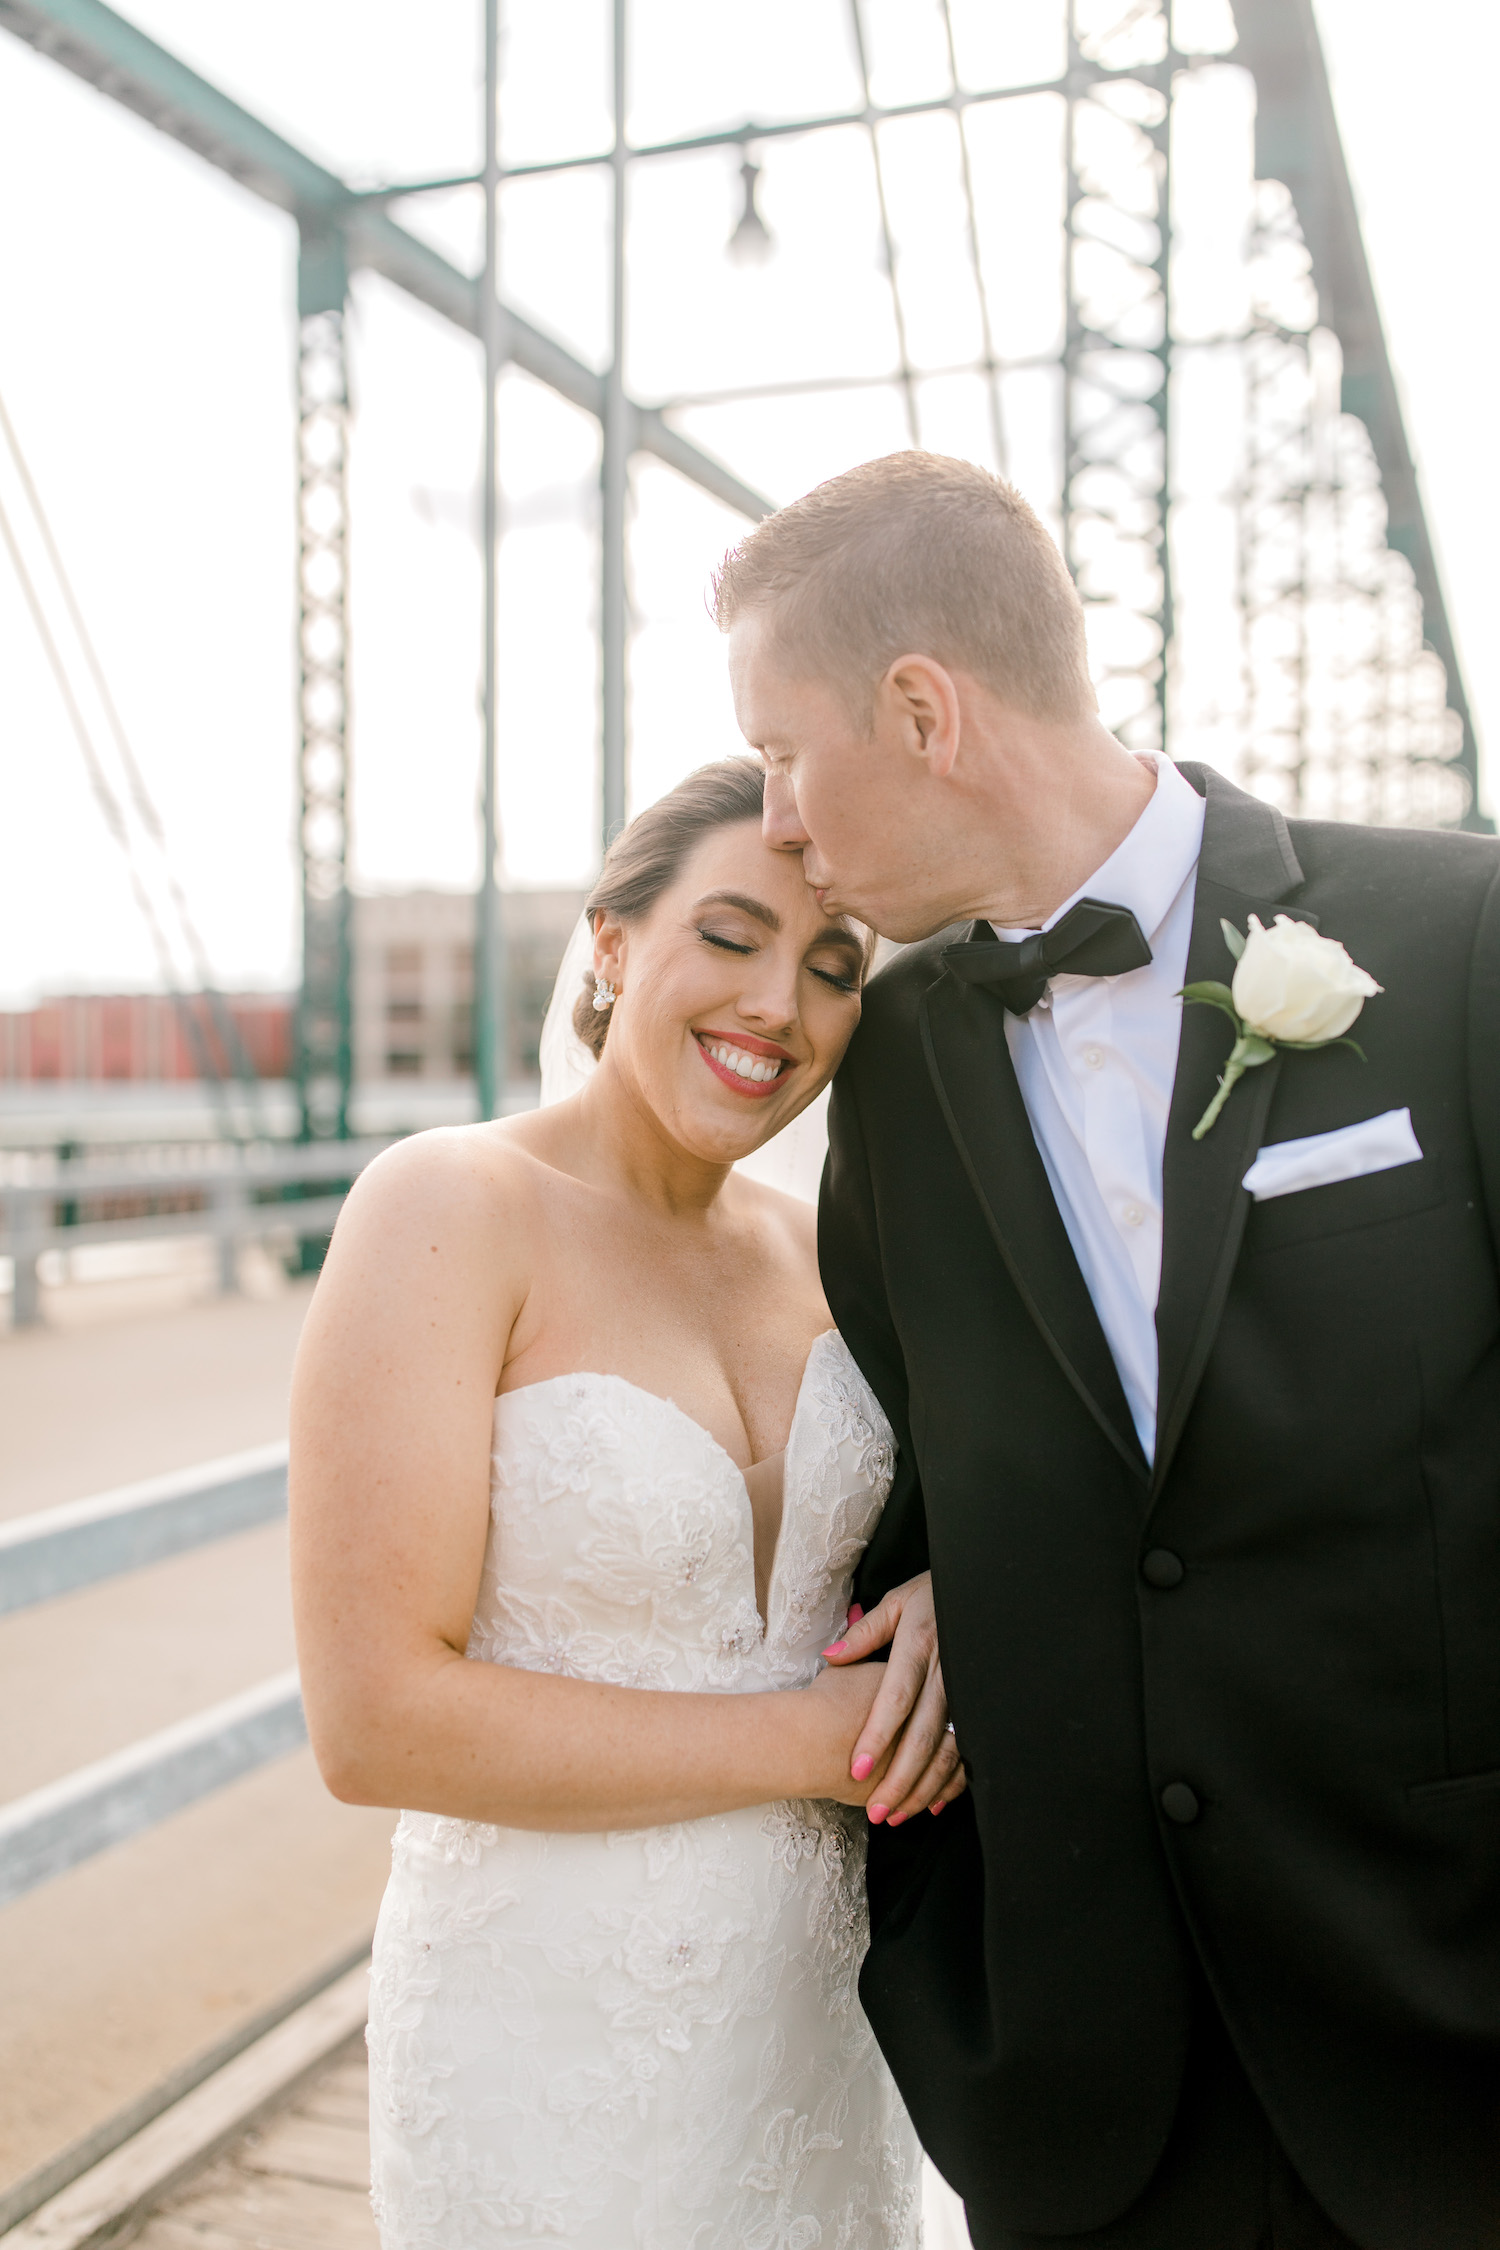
x=1180 y=1803
x=1160 y=1567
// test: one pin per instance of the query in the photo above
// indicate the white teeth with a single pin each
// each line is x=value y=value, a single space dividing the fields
x=744 y=1064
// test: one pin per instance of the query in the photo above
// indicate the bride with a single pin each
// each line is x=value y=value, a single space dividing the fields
x=580 y=1477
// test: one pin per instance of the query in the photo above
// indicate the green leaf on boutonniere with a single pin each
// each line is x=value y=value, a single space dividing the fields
x=1213 y=995
x=1248 y=1051
x=1320 y=1046
x=1291 y=942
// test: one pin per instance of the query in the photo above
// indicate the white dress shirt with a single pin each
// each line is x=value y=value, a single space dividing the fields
x=1095 y=1059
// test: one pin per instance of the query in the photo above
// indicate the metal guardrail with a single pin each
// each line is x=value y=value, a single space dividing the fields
x=61 y=1549
x=57 y=1551
x=241 y=1198
x=56 y=1827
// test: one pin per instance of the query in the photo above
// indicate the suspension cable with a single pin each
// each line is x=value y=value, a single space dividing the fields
x=114 y=820
x=990 y=363
x=907 y=372
x=228 y=1030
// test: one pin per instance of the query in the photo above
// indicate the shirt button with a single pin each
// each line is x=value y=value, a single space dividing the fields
x=1094 y=1057
x=1180 y=1803
x=1161 y=1568
x=1132 y=1214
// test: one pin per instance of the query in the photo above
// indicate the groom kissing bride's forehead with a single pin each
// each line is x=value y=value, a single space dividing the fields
x=1184 y=1309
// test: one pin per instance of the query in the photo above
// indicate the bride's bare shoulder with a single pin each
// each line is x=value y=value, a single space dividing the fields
x=435 y=1252
x=477 y=1179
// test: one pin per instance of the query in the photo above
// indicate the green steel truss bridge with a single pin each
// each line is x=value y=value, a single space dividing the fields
x=1194 y=382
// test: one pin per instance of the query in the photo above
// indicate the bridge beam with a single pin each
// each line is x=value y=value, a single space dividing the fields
x=101 y=47
x=1297 y=141
x=340 y=231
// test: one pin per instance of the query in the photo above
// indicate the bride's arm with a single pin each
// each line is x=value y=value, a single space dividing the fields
x=392 y=1413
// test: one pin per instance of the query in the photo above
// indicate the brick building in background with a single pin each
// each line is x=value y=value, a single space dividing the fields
x=413 y=1006
x=95 y=1039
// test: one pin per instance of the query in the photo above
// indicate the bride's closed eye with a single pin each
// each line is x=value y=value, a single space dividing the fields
x=845 y=984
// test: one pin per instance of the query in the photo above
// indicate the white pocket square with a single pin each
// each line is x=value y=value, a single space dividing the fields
x=1376 y=1145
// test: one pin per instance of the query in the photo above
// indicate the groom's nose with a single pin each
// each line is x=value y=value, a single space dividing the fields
x=781 y=823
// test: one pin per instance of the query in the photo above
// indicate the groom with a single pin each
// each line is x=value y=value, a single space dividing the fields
x=1207 y=1475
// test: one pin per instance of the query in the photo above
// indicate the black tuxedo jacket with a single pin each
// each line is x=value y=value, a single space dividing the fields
x=1325 y=1674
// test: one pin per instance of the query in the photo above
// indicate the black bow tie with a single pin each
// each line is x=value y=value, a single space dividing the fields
x=1093 y=939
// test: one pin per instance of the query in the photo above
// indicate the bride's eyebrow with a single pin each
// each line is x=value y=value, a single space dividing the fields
x=843 y=937
x=755 y=907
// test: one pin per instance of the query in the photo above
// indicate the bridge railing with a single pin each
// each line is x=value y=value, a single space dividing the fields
x=56 y=1827
x=235 y=1197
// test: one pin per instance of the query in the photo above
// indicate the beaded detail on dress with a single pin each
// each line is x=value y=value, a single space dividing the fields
x=649 y=2038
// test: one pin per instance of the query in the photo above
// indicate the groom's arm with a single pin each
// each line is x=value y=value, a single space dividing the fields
x=854 y=1284
x=893 y=1582
x=1484 y=1053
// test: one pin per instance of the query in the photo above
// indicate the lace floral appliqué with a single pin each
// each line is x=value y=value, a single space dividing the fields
x=648 y=2040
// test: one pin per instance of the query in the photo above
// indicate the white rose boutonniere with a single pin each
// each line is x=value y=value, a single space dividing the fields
x=1292 y=988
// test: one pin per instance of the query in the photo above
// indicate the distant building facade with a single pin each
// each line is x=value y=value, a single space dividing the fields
x=414 y=980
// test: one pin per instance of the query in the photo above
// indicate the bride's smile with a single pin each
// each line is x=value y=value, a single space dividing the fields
x=749 y=1066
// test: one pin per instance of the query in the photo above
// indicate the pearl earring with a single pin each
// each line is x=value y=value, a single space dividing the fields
x=604 y=994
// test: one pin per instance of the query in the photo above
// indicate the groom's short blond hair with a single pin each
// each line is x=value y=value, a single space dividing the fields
x=915 y=555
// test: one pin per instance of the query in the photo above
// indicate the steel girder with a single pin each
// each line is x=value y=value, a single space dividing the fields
x=338 y=232
x=97 y=45
x=1297 y=142
x=1117 y=354
x=324 y=1024
x=1343 y=710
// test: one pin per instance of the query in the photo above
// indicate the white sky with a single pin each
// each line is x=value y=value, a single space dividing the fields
x=146 y=344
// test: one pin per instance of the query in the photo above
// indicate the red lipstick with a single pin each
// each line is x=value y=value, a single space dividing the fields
x=742 y=1043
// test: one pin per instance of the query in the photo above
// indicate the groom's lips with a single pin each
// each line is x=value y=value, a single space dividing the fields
x=742 y=1043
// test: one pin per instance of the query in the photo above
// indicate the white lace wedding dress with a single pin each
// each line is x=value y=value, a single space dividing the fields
x=646 y=2041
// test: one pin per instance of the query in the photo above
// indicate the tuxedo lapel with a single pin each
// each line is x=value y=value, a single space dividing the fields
x=963 y=1034
x=1247 y=866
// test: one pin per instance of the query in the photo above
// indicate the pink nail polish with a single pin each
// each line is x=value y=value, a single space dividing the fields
x=877 y=1812
x=937 y=1808
x=863 y=1767
x=855 y=1614
x=895 y=1820
x=835 y=1648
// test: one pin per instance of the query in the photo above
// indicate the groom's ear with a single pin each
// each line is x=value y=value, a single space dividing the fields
x=919 y=702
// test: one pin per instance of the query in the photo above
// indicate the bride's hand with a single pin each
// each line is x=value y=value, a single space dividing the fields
x=906 y=1744
x=839 y=1704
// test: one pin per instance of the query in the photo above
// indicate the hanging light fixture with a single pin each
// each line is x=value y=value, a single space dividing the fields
x=750 y=244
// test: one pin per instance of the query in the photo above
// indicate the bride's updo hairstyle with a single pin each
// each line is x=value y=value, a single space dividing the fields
x=646 y=858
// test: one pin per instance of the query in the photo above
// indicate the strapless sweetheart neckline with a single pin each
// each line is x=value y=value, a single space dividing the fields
x=656 y=1398
x=598 y=1375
